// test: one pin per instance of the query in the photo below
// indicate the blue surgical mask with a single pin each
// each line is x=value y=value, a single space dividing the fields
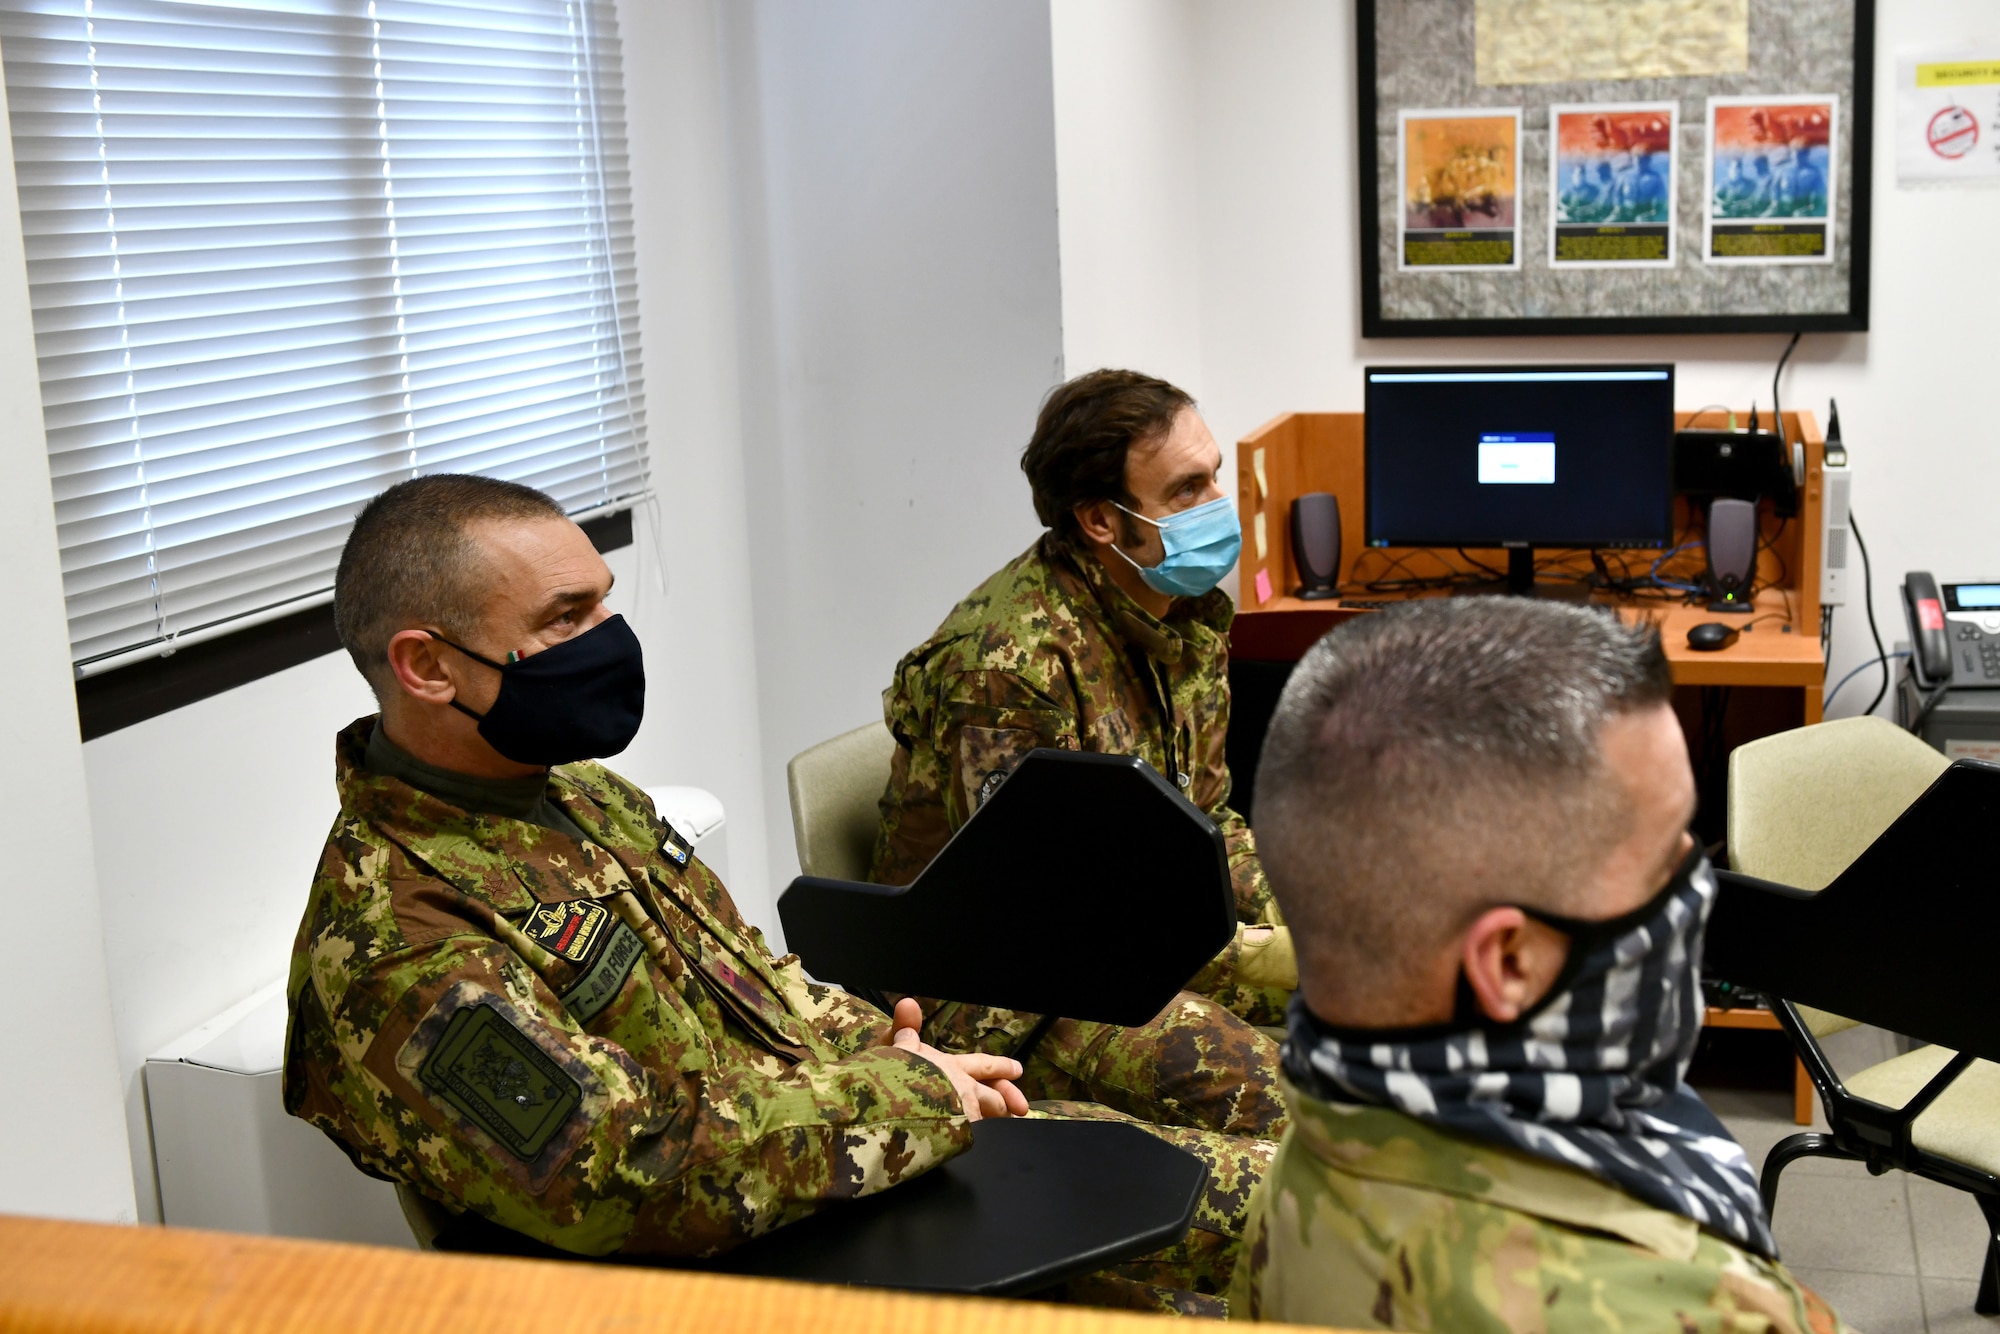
x=1202 y=545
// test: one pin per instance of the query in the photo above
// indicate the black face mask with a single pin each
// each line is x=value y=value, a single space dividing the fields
x=1591 y=1077
x=1587 y=941
x=580 y=700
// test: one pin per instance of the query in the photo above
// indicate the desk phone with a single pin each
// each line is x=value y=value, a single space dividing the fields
x=1954 y=631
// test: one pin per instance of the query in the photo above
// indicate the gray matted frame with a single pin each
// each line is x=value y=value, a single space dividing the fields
x=1796 y=46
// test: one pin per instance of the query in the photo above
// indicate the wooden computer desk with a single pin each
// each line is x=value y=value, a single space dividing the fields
x=1322 y=451
x=1769 y=680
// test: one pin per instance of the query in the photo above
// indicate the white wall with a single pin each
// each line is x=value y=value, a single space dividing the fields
x=901 y=320
x=65 y=1137
x=1278 y=312
x=1128 y=144
x=209 y=822
x=702 y=726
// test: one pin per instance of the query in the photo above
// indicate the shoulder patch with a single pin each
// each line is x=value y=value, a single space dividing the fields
x=677 y=849
x=602 y=981
x=495 y=1076
x=567 y=929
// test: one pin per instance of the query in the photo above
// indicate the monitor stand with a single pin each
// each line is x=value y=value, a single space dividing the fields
x=1520 y=581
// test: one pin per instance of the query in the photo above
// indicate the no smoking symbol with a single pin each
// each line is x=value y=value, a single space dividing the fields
x=1953 y=132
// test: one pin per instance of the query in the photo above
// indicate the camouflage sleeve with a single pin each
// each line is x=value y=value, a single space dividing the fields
x=1254 y=976
x=987 y=722
x=846 y=1022
x=454 y=1067
x=1254 y=901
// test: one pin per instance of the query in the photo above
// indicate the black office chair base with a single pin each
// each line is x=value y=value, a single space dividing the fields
x=1988 y=1301
x=1789 y=1150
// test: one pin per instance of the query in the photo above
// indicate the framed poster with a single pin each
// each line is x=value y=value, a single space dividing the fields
x=1461 y=192
x=1614 y=166
x=1771 y=170
x=1611 y=185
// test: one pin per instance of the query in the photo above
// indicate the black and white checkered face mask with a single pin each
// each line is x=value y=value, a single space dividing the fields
x=1591 y=1078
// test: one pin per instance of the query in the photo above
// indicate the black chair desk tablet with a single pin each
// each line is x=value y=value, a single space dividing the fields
x=1033 y=1203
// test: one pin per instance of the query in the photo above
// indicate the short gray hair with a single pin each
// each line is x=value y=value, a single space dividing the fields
x=412 y=561
x=1431 y=760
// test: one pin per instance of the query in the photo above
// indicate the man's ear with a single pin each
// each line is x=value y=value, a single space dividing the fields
x=419 y=667
x=1099 y=522
x=1511 y=961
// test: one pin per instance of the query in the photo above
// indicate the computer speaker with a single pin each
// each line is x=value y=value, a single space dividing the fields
x=1316 y=544
x=1732 y=553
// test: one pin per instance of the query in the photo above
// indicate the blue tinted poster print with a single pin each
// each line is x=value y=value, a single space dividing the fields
x=1611 y=185
x=1771 y=179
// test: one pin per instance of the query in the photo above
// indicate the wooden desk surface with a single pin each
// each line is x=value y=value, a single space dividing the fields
x=1765 y=654
x=87 y=1278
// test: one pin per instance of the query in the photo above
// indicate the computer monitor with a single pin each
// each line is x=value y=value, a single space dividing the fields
x=1519 y=457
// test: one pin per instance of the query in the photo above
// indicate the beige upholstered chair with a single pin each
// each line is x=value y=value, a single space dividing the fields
x=1802 y=806
x=834 y=789
x=426 y=1217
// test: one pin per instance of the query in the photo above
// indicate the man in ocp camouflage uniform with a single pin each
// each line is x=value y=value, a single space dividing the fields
x=1499 y=994
x=516 y=989
x=1109 y=635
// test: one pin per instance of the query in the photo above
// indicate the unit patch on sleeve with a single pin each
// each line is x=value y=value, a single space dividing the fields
x=676 y=848
x=602 y=981
x=568 y=929
x=497 y=1078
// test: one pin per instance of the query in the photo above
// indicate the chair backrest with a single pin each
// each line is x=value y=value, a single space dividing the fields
x=425 y=1217
x=1902 y=939
x=1085 y=886
x=834 y=788
x=1804 y=804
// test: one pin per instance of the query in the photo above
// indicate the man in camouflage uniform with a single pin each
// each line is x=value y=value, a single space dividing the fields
x=1107 y=635
x=515 y=988
x=1499 y=994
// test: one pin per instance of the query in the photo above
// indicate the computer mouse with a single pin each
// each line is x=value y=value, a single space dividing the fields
x=1710 y=636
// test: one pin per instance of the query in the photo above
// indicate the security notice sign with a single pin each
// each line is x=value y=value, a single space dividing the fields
x=1948 y=117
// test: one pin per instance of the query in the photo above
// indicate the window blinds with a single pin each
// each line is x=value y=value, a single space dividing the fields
x=283 y=253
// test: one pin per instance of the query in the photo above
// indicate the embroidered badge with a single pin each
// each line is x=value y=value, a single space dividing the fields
x=748 y=991
x=602 y=981
x=497 y=1078
x=677 y=849
x=567 y=929
x=990 y=786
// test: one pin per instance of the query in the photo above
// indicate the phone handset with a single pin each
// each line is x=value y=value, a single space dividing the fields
x=1930 y=647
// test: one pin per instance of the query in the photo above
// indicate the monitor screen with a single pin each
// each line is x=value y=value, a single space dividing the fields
x=1558 y=456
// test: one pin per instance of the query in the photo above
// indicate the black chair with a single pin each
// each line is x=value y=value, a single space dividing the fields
x=1068 y=839
x=1905 y=939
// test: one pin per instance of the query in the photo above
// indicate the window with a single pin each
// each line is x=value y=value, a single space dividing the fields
x=284 y=253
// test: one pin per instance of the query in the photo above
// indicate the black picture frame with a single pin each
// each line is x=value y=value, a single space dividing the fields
x=1859 y=184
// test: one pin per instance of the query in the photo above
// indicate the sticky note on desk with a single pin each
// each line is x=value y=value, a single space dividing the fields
x=1257 y=466
x=1258 y=527
x=1263 y=584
